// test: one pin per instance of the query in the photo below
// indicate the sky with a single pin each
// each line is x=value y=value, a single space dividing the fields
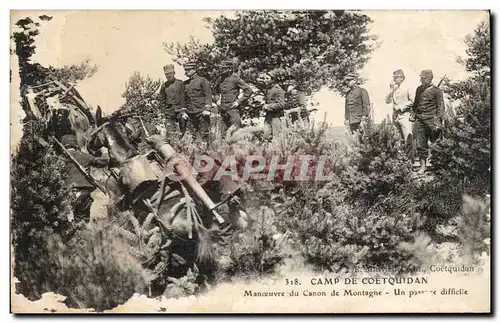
x=121 y=42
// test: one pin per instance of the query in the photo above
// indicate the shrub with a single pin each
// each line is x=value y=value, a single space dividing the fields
x=39 y=208
x=474 y=228
x=463 y=155
x=256 y=251
x=95 y=269
x=374 y=166
x=335 y=235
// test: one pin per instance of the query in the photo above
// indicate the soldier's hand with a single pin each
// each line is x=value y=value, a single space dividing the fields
x=205 y=113
x=234 y=105
x=346 y=123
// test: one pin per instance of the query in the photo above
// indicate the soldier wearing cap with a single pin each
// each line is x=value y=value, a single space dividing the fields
x=198 y=100
x=357 y=103
x=274 y=106
x=399 y=97
x=82 y=189
x=230 y=102
x=295 y=102
x=428 y=110
x=172 y=98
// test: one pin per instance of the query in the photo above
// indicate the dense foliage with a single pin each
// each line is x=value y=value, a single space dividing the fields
x=463 y=155
x=316 y=47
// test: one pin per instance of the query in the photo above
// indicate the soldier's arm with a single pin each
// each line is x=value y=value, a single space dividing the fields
x=366 y=102
x=208 y=92
x=247 y=90
x=162 y=97
x=440 y=103
x=181 y=95
x=388 y=97
x=417 y=99
x=406 y=106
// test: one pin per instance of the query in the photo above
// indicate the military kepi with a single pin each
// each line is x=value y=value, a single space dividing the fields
x=426 y=73
x=169 y=68
x=398 y=73
x=189 y=66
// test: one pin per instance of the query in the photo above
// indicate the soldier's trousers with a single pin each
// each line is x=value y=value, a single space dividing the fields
x=404 y=126
x=272 y=126
x=425 y=131
x=199 y=125
x=295 y=116
x=230 y=118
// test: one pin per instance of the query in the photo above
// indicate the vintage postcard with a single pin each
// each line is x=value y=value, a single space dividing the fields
x=262 y=161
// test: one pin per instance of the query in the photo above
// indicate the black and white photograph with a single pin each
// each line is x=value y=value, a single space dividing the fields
x=250 y=161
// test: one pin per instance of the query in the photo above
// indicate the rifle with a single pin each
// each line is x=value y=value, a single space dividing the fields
x=79 y=167
x=442 y=79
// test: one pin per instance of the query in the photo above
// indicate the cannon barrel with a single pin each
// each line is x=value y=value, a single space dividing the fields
x=183 y=170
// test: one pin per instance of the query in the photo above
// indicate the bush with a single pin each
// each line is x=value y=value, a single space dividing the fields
x=463 y=155
x=95 y=269
x=374 y=166
x=256 y=251
x=336 y=235
x=40 y=205
x=474 y=228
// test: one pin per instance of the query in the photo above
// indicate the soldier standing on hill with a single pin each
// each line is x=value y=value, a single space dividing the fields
x=399 y=96
x=198 y=101
x=172 y=98
x=296 y=102
x=274 y=106
x=428 y=110
x=357 y=103
x=230 y=103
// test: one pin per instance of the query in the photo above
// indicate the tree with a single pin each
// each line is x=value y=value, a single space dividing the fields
x=34 y=73
x=478 y=51
x=463 y=155
x=317 y=48
x=141 y=96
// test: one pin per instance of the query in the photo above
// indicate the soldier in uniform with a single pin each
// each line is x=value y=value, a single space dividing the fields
x=76 y=181
x=428 y=112
x=357 y=103
x=198 y=101
x=172 y=98
x=399 y=97
x=229 y=91
x=274 y=106
x=296 y=102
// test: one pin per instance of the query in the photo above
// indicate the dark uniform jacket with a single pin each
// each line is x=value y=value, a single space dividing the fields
x=429 y=102
x=198 y=94
x=297 y=99
x=172 y=97
x=275 y=99
x=75 y=178
x=357 y=105
x=230 y=89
